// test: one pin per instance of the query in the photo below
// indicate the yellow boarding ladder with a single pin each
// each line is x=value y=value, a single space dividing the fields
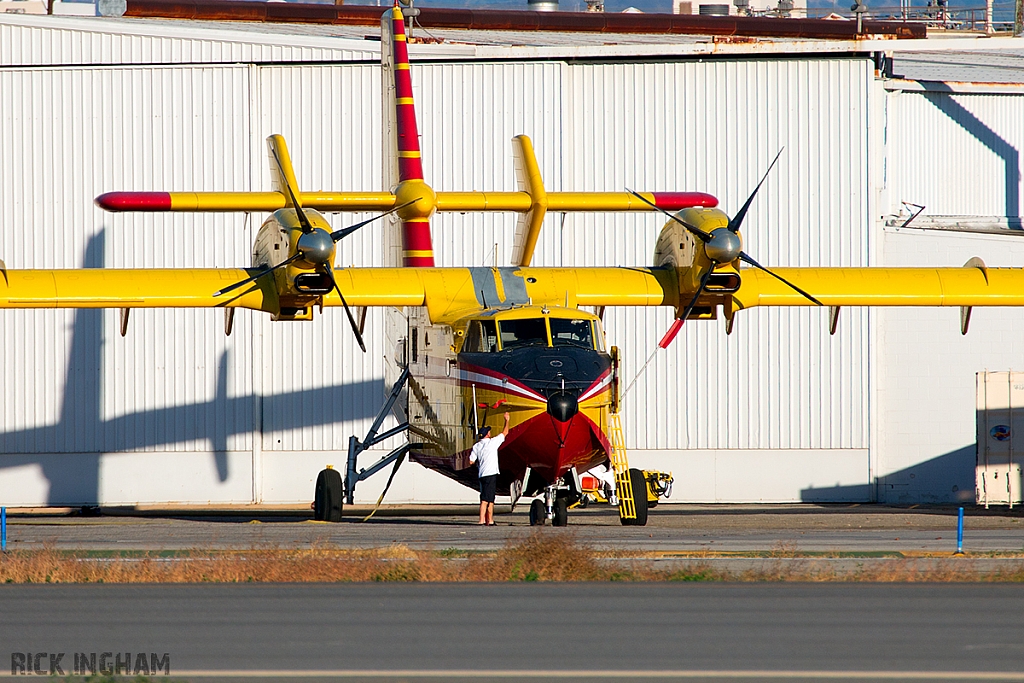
x=623 y=487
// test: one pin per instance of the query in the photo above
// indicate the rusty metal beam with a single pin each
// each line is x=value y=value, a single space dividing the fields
x=515 y=20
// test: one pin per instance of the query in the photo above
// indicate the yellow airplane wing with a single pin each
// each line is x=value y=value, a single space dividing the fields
x=967 y=286
x=136 y=288
x=445 y=291
x=448 y=293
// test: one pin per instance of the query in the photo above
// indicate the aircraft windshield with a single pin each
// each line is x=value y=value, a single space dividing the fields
x=566 y=332
x=481 y=337
x=518 y=333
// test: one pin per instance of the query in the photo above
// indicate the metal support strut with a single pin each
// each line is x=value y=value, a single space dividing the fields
x=355 y=446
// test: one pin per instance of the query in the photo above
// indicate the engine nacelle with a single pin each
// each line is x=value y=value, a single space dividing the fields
x=678 y=248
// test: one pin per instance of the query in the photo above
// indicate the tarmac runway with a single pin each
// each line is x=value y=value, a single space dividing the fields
x=686 y=529
x=507 y=632
x=528 y=631
x=729 y=538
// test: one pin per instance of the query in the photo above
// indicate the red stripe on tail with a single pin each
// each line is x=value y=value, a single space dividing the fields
x=409 y=168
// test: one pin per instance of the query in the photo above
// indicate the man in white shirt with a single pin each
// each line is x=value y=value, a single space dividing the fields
x=485 y=455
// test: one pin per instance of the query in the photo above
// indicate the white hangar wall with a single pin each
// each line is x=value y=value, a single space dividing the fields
x=957 y=152
x=176 y=412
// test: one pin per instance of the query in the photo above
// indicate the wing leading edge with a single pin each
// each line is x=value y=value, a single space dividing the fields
x=449 y=293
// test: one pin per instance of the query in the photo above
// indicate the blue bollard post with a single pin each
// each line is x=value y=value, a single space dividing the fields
x=960 y=533
x=3 y=529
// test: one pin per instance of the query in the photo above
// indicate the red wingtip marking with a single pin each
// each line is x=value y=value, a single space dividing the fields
x=671 y=334
x=135 y=201
x=676 y=201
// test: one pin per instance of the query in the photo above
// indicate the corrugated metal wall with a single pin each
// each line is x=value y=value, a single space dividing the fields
x=956 y=154
x=70 y=135
x=780 y=381
x=927 y=415
x=175 y=384
x=250 y=414
x=62 y=41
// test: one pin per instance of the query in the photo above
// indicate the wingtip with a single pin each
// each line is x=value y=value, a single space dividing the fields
x=134 y=201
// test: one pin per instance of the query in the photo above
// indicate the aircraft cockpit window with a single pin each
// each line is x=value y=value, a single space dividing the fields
x=528 y=332
x=481 y=337
x=565 y=332
x=472 y=343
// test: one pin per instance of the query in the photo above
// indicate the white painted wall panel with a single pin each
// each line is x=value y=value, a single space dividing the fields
x=61 y=41
x=780 y=381
x=326 y=388
x=469 y=114
x=956 y=154
x=926 y=392
x=779 y=403
x=776 y=476
x=290 y=476
x=175 y=384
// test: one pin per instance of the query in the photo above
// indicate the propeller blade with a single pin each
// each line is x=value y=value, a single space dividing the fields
x=737 y=220
x=257 y=276
x=746 y=259
x=304 y=223
x=678 y=324
x=348 y=311
x=704 y=237
x=345 y=232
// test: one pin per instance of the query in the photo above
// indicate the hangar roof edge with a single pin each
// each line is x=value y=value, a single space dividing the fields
x=260 y=42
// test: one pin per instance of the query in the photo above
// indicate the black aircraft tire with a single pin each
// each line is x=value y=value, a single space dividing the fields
x=537 y=512
x=561 y=517
x=329 y=496
x=639 y=485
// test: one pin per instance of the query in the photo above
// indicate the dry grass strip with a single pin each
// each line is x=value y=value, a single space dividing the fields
x=539 y=556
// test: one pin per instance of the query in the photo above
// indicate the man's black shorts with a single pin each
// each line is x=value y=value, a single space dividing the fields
x=488 y=485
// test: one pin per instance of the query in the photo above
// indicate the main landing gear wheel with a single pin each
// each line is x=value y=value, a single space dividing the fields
x=561 y=517
x=638 y=484
x=329 y=497
x=537 y=512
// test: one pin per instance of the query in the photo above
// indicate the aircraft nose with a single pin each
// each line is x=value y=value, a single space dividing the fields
x=563 y=406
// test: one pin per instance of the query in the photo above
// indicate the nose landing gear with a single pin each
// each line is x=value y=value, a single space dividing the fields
x=558 y=498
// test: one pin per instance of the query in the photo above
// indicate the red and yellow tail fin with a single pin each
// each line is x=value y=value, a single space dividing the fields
x=417 y=246
x=410 y=166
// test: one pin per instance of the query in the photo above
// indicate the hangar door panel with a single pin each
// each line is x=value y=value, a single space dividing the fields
x=779 y=381
x=319 y=387
x=83 y=388
x=174 y=385
x=982 y=135
x=324 y=388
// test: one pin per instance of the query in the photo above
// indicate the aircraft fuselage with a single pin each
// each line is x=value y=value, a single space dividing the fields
x=546 y=366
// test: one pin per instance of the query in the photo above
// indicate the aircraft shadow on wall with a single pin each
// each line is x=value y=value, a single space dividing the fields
x=75 y=480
